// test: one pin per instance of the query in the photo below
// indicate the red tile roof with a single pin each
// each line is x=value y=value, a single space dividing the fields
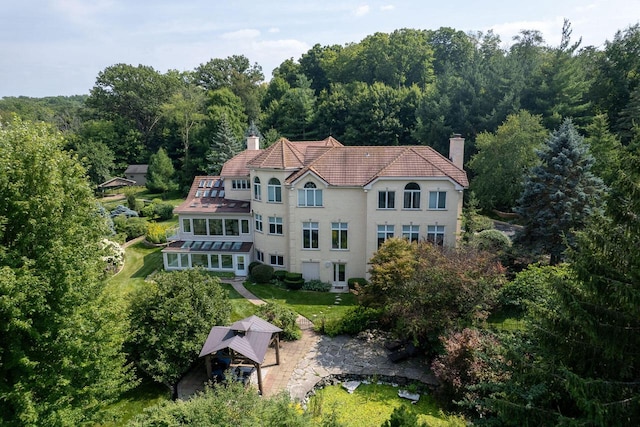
x=237 y=166
x=358 y=166
x=285 y=154
x=205 y=197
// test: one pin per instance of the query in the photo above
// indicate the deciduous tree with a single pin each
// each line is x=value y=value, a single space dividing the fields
x=170 y=321
x=504 y=159
x=61 y=356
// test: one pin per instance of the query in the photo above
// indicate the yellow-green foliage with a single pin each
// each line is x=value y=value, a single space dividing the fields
x=372 y=405
x=156 y=232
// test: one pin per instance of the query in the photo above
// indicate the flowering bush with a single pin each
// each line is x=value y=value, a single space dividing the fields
x=113 y=255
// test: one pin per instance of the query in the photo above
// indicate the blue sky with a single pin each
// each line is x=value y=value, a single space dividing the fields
x=58 y=47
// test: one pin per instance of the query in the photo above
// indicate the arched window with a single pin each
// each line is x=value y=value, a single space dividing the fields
x=275 y=191
x=412 y=196
x=257 y=189
x=309 y=196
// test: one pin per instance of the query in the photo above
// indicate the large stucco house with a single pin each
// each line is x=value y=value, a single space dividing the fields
x=317 y=207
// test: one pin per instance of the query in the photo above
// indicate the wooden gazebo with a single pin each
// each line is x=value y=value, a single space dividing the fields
x=246 y=341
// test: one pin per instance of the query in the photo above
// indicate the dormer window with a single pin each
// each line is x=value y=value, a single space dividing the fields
x=310 y=196
x=412 y=196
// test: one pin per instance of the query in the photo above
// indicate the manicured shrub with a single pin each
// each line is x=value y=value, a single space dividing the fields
x=355 y=320
x=132 y=227
x=163 y=211
x=282 y=317
x=356 y=280
x=316 y=285
x=491 y=240
x=253 y=264
x=122 y=210
x=262 y=273
x=294 y=281
x=280 y=274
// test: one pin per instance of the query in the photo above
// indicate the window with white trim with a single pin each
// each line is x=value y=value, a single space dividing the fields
x=411 y=232
x=384 y=232
x=276 y=260
x=257 y=189
x=244 y=226
x=339 y=273
x=259 y=256
x=310 y=196
x=258 y=218
x=274 y=190
x=200 y=226
x=215 y=227
x=339 y=235
x=386 y=199
x=275 y=225
x=231 y=227
x=310 y=235
x=412 y=196
x=435 y=234
x=437 y=199
x=240 y=184
x=186 y=225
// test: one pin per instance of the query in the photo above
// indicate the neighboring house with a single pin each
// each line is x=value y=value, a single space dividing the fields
x=317 y=207
x=137 y=173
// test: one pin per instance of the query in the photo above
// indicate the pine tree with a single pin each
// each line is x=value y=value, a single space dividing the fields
x=579 y=363
x=160 y=173
x=560 y=194
x=224 y=147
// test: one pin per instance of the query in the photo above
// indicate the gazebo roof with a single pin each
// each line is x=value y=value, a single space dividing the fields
x=250 y=337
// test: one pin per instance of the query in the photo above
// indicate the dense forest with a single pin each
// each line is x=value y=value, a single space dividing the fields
x=552 y=136
x=407 y=87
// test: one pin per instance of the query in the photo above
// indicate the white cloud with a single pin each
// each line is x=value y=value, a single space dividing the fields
x=551 y=30
x=245 y=34
x=362 y=10
x=387 y=7
x=274 y=30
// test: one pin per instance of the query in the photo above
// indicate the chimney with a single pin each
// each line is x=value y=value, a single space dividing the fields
x=253 y=142
x=456 y=150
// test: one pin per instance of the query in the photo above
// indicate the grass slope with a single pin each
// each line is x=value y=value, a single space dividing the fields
x=312 y=305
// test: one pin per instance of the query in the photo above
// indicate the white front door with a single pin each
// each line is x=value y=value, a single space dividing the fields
x=241 y=265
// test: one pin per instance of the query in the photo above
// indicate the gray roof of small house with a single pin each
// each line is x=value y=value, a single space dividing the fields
x=135 y=169
x=250 y=337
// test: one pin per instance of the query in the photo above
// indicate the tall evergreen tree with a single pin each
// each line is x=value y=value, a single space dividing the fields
x=160 y=173
x=224 y=147
x=560 y=194
x=579 y=362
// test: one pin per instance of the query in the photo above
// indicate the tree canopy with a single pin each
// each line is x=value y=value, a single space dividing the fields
x=61 y=356
x=170 y=321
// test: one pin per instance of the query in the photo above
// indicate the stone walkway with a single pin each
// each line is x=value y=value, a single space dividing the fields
x=305 y=362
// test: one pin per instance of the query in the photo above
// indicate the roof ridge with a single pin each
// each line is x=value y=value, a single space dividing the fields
x=297 y=153
x=435 y=165
x=395 y=159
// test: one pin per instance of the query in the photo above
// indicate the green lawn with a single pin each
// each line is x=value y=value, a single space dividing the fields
x=372 y=405
x=132 y=403
x=240 y=306
x=140 y=261
x=312 y=305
